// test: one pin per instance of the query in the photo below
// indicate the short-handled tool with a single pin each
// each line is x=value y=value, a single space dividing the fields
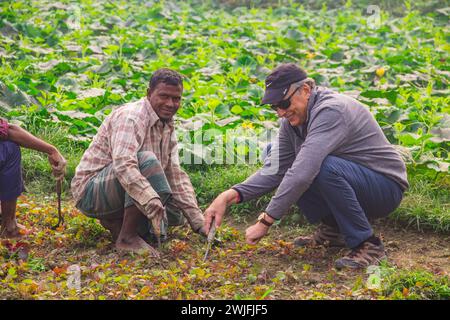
x=210 y=238
x=58 y=193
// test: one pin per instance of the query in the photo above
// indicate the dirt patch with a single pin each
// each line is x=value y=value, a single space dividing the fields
x=273 y=269
x=412 y=249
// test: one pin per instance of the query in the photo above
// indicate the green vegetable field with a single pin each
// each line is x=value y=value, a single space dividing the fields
x=65 y=65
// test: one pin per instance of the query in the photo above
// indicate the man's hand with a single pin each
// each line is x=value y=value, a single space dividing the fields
x=202 y=232
x=154 y=211
x=58 y=164
x=216 y=210
x=218 y=207
x=254 y=233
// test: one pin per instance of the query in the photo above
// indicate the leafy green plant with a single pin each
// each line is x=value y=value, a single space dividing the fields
x=74 y=63
x=401 y=284
x=87 y=232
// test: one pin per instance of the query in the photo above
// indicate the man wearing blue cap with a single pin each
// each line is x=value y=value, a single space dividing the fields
x=332 y=159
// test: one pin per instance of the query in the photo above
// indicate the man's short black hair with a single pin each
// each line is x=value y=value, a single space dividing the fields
x=167 y=76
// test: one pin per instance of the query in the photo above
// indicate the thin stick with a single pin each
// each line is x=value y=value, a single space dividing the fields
x=58 y=193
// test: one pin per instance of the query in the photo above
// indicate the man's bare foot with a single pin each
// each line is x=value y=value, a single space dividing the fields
x=11 y=234
x=14 y=232
x=135 y=244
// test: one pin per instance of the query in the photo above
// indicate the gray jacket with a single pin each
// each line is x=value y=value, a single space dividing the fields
x=336 y=125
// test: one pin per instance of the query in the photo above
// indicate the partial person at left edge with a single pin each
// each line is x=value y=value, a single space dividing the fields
x=12 y=137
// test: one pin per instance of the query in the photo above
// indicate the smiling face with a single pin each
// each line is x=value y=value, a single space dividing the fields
x=165 y=100
x=297 y=112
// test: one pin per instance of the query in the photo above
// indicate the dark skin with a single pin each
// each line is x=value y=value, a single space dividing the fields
x=165 y=100
x=128 y=238
x=10 y=228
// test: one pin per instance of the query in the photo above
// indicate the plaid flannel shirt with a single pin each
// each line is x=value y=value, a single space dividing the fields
x=129 y=129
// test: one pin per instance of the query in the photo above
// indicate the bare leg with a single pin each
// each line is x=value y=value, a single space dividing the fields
x=113 y=225
x=10 y=228
x=128 y=238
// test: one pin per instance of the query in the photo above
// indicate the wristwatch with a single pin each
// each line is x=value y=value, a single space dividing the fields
x=262 y=219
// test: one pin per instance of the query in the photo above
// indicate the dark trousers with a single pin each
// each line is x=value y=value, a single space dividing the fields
x=11 y=183
x=346 y=195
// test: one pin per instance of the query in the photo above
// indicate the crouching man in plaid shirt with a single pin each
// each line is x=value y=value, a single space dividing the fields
x=130 y=174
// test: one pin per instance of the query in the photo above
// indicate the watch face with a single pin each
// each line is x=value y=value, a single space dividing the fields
x=261 y=216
